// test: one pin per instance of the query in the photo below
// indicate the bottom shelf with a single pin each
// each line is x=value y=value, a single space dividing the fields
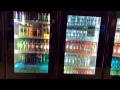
x=20 y=67
x=79 y=71
x=115 y=72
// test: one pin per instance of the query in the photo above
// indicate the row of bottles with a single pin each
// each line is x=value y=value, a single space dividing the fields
x=27 y=70
x=81 y=47
x=117 y=36
x=114 y=72
x=31 y=16
x=29 y=30
x=77 y=61
x=83 y=20
x=32 y=45
x=34 y=59
x=80 y=34
x=115 y=64
x=116 y=49
x=78 y=71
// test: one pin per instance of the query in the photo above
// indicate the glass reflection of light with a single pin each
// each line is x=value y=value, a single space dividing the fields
x=16 y=52
x=16 y=65
x=15 y=36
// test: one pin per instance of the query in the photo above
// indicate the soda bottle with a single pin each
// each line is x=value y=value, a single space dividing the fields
x=39 y=17
x=26 y=58
x=33 y=45
x=38 y=31
x=43 y=58
x=21 y=44
x=70 y=46
x=18 y=44
x=29 y=45
x=41 y=45
x=74 y=46
x=48 y=17
x=42 y=19
x=20 y=30
x=45 y=16
x=47 y=58
x=31 y=30
x=37 y=46
x=34 y=31
x=47 y=45
x=67 y=46
x=25 y=30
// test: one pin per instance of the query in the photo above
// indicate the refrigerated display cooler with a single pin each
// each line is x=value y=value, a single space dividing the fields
x=112 y=63
x=83 y=44
x=31 y=44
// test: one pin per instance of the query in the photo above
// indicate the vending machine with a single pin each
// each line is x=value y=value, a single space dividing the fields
x=81 y=46
x=30 y=44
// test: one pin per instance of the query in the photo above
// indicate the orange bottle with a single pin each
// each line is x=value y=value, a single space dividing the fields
x=114 y=49
x=31 y=30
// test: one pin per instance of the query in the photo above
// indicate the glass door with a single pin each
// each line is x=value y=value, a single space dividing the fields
x=115 y=63
x=31 y=42
x=82 y=37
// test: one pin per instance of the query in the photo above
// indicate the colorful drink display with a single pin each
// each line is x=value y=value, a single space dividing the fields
x=82 y=35
x=115 y=63
x=31 y=42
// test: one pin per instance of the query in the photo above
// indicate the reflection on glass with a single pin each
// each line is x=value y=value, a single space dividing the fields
x=115 y=63
x=82 y=35
x=31 y=42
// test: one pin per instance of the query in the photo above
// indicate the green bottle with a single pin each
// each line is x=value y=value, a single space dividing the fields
x=18 y=45
x=21 y=44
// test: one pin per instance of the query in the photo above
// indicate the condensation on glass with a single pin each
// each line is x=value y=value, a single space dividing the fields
x=115 y=63
x=31 y=42
x=82 y=35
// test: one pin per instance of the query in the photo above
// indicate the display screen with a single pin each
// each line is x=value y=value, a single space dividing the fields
x=31 y=42
x=82 y=36
x=115 y=63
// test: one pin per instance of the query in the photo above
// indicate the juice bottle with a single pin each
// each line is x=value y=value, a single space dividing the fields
x=77 y=47
x=73 y=46
x=33 y=45
x=38 y=31
x=20 y=30
x=117 y=48
x=18 y=44
x=21 y=44
x=70 y=46
x=82 y=47
x=47 y=45
x=29 y=45
x=44 y=45
x=31 y=30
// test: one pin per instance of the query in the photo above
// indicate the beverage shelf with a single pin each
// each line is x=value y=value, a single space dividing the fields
x=31 y=22
x=117 y=69
x=31 y=52
x=70 y=53
x=79 y=67
x=22 y=37
x=116 y=42
x=116 y=56
x=87 y=40
x=83 y=27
